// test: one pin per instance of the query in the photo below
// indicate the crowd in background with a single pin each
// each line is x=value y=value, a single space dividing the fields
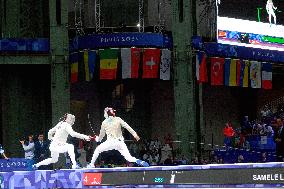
x=36 y=149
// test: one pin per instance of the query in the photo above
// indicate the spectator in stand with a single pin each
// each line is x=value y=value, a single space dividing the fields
x=183 y=160
x=229 y=134
x=241 y=159
x=166 y=151
x=169 y=160
x=246 y=125
x=260 y=129
x=155 y=157
x=195 y=161
x=134 y=149
x=29 y=147
x=279 y=139
x=146 y=157
x=41 y=151
x=153 y=162
x=266 y=112
x=263 y=157
x=269 y=130
x=2 y=152
x=242 y=140
x=220 y=161
x=169 y=140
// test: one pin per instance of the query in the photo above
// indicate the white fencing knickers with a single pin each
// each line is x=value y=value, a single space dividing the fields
x=113 y=144
x=57 y=148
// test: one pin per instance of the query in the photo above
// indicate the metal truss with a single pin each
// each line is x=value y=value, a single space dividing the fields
x=209 y=15
x=141 y=16
x=161 y=16
x=78 y=17
x=98 y=15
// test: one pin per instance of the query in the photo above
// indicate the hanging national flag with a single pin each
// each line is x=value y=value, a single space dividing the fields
x=217 y=71
x=244 y=70
x=151 y=61
x=238 y=74
x=201 y=67
x=255 y=74
x=73 y=59
x=233 y=73
x=266 y=76
x=89 y=64
x=130 y=58
x=108 y=63
x=165 y=66
x=230 y=72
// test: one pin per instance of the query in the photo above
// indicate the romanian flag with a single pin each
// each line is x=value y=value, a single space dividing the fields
x=89 y=64
x=267 y=76
x=231 y=72
x=73 y=59
x=151 y=62
x=201 y=67
x=130 y=59
x=108 y=63
x=243 y=73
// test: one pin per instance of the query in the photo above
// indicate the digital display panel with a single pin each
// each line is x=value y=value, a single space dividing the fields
x=251 y=23
x=186 y=177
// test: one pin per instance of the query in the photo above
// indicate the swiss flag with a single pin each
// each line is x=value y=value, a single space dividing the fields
x=217 y=71
x=151 y=62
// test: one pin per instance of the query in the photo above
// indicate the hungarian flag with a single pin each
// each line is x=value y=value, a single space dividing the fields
x=108 y=63
x=165 y=66
x=130 y=58
x=267 y=76
x=217 y=71
x=255 y=74
x=151 y=62
x=201 y=67
x=89 y=64
x=73 y=59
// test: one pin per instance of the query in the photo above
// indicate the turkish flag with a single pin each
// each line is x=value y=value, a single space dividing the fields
x=217 y=71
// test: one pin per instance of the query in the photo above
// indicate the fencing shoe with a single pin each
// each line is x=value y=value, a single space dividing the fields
x=142 y=163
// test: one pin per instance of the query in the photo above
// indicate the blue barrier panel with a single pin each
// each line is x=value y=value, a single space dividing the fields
x=191 y=176
x=267 y=143
x=15 y=164
x=14 y=45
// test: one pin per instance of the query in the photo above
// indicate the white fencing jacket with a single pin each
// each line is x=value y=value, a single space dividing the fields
x=111 y=126
x=60 y=132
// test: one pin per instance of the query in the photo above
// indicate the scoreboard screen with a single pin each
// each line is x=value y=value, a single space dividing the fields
x=251 y=23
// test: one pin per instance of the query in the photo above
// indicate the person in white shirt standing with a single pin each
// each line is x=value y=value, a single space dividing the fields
x=111 y=126
x=58 y=136
x=29 y=147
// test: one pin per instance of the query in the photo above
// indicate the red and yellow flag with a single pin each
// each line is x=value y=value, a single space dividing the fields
x=108 y=63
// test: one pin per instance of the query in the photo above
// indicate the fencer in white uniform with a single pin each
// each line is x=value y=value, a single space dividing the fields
x=270 y=10
x=58 y=136
x=111 y=126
